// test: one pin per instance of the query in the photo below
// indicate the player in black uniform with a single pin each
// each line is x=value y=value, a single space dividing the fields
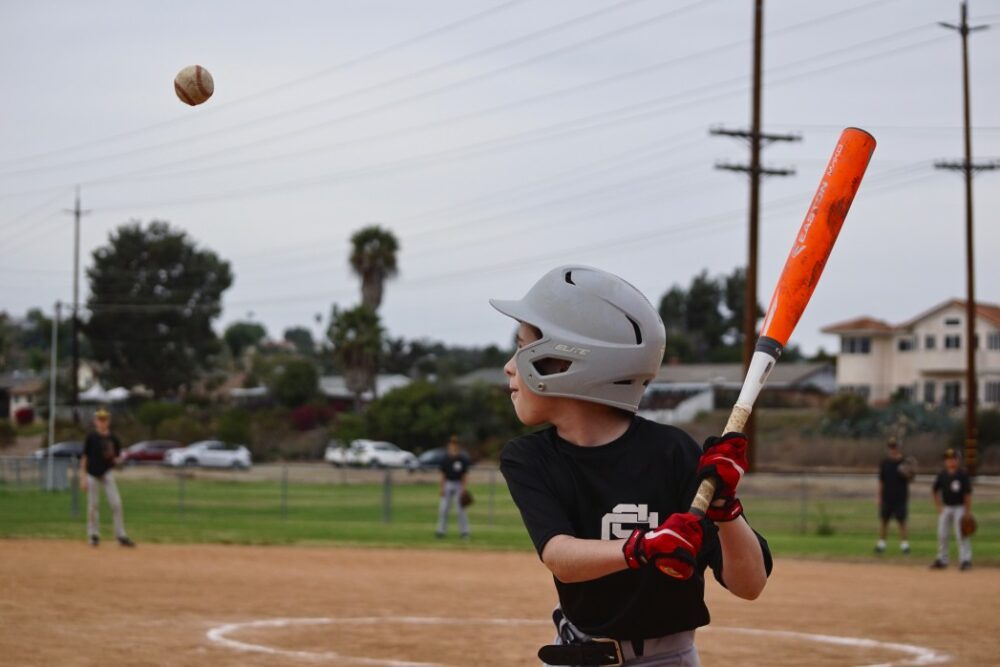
x=605 y=494
x=952 y=493
x=894 y=477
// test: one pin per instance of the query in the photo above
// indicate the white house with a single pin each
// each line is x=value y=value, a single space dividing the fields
x=923 y=359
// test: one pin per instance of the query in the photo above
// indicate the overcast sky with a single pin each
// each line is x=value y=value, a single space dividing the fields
x=497 y=140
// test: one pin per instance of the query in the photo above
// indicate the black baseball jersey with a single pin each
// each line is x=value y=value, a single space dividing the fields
x=604 y=493
x=895 y=485
x=455 y=467
x=953 y=488
x=101 y=452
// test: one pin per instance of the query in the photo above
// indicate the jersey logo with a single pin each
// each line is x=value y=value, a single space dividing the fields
x=626 y=517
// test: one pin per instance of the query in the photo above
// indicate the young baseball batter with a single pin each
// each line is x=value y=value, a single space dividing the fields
x=604 y=493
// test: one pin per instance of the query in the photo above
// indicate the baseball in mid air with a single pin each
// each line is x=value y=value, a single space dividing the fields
x=194 y=85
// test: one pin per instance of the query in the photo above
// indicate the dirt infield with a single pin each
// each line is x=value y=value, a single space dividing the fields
x=64 y=603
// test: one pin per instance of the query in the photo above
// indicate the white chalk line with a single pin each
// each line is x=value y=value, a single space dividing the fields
x=915 y=655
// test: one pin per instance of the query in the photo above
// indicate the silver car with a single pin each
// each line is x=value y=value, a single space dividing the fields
x=209 y=454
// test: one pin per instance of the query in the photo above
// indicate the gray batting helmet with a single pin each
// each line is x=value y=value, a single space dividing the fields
x=604 y=327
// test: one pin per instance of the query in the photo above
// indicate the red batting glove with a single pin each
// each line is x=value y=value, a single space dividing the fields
x=724 y=459
x=673 y=547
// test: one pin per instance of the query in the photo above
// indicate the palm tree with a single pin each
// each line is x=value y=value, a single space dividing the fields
x=356 y=335
x=373 y=258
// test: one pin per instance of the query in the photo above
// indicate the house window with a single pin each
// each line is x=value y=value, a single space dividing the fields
x=930 y=392
x=905 y=344
x=952 y=393
x=930 y=342
x=952 y=322
x=862 y=390
x=855 y=345
x=904 y=392
x=992 y=392
x=952 y=342
x=993 y=341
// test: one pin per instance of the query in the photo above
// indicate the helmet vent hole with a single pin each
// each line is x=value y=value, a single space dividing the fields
x=551 y=366
x=569 y=277
x=635 y=327
x=624 y=382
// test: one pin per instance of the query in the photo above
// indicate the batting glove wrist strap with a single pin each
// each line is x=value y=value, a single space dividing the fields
x=633 y=549
x=731 y=510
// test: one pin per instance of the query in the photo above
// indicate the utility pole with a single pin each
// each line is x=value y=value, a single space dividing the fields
x=968 y=168
x=75 y=342
x=756 y=139
x=53 y=376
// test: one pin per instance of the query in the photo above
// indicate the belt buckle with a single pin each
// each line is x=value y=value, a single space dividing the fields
x=618 y=649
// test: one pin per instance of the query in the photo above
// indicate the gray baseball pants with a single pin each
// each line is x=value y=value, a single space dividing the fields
x=452 y=490
x=950 y=519
x=94 y=485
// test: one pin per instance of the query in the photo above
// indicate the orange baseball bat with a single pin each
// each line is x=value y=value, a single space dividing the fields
x=810 y=250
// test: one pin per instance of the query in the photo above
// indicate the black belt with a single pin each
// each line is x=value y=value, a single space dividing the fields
x=596 y=651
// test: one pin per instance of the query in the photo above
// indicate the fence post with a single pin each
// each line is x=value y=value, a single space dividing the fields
x=74 y=490
x=387 y=498
x=284 y=491
x=17 y=472
x=180 y=492
x=803 y=503
x=493 y=486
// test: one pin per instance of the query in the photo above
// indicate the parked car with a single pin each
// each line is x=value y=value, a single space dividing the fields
x=148 y=451
x=209 y=454
x=370 y=454
x=432 y=458
x=61 y=450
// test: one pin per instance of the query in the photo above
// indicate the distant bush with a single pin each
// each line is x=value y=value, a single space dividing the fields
x=849 y=415
x=307 y=417
x=987 y=430
x=24 y=416
x=7 y=433
x=182 y=428
x=152 y=414
x=234 y=427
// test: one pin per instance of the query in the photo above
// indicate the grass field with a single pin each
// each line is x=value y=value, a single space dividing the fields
x=252 y=512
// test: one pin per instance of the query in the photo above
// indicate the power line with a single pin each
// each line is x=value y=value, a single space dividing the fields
x=284 y=115
x=282 y=88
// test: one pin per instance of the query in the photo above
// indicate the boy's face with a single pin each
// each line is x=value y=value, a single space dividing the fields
x=951 y=464
x=531 y=409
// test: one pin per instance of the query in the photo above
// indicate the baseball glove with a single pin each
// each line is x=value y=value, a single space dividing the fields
x=908 y=468
x=466 y=498
x=968 y=526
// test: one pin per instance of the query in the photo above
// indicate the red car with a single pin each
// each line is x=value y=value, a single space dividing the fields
x=149 y=451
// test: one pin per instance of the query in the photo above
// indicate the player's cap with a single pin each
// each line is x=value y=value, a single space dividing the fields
x=950 y=453
x=101 y=413
x=891 y=443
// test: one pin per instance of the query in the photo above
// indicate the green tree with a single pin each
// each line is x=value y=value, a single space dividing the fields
x=356 y=335
x=373 y=258
x=302 y=339
x=153 y=413
x=423 y=414
x=153 y=296
x=241 y=335
x=296 y=382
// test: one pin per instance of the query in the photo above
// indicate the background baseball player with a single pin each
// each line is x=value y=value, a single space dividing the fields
x=454 y=470
x=894 y=477
x=952 y=493
x=604 y=493
x=101 y=452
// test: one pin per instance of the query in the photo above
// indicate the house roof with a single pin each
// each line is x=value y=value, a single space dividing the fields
x=788 y=374
x=860 y=325
x=17 y=379
x=987 y=311
x=334 y=386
